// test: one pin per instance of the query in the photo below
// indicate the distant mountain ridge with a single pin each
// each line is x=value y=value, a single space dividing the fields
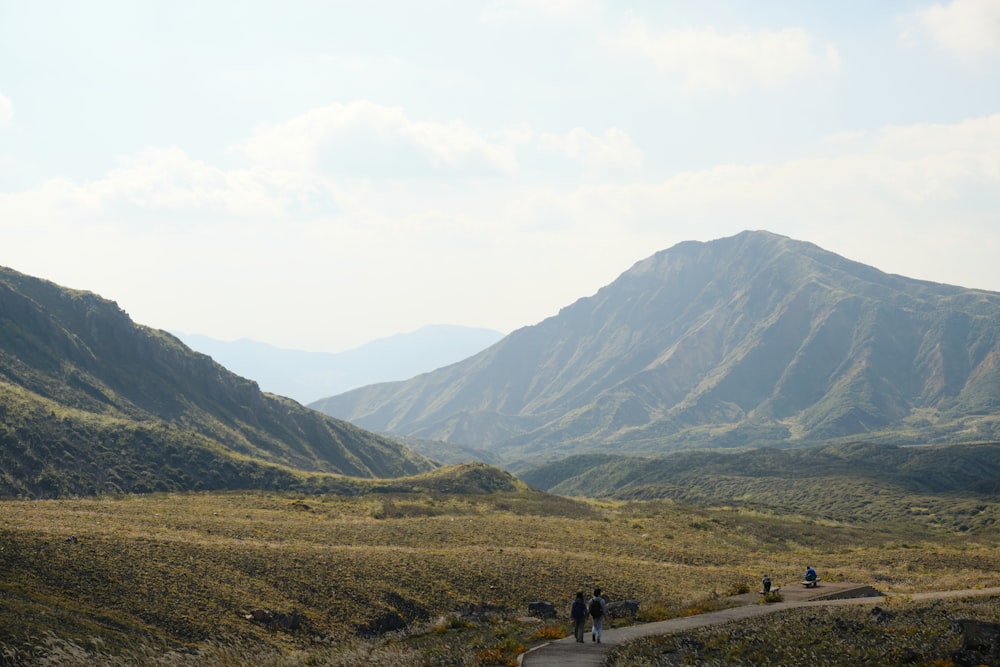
x=91 y=402
x=751 y=340
x=308 y=376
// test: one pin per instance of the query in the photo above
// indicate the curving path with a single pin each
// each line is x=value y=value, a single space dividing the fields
x=568 y=653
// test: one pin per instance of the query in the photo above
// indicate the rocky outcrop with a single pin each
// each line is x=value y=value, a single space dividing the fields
x=623 y=608
x=542 y=609
x=980 y=641
x=275 y=620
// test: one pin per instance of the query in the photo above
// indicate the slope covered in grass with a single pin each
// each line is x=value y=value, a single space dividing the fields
x=183 y=571
x=941 y=485
x=92 y=402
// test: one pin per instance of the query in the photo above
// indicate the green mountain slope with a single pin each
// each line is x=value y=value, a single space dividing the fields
x=751 y=340
x=955 y=484
x=90 y=402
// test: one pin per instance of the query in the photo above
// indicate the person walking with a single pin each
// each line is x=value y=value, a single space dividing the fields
x=766 y=581
x=578 y=612
x=597 y=607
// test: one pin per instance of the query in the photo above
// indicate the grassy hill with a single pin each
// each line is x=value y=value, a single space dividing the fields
x=91 y=402
x=849 y=482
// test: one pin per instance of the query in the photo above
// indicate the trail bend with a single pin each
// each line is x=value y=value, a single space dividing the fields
x=567 y=652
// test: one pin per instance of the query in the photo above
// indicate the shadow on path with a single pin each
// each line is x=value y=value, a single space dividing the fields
x=568 y=653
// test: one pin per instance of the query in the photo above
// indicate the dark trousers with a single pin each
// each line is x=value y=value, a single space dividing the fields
x=578 y=627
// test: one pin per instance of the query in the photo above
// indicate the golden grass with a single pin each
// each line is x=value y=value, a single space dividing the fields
x=896 y=634
x=178 y=573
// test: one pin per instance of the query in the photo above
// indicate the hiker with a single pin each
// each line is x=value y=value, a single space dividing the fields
x=810 y=574
x=767 y=584
x=578 y=612
x=597 y=607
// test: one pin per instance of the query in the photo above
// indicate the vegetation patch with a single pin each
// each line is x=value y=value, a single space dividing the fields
x=407 y=575
x=898 y=633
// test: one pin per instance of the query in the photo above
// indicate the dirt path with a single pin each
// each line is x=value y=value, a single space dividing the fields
x=568 y=653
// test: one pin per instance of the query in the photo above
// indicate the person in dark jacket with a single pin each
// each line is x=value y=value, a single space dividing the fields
x=578 y=612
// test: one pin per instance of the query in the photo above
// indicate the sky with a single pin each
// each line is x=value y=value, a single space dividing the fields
x=319 y=174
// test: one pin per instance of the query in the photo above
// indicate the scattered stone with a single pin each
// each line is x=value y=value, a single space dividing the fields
x=881 y=615
x=542 y=609
x=275 y=620
x=981 y=636
x=386 y=622
x=623 y=608
x=845 y=626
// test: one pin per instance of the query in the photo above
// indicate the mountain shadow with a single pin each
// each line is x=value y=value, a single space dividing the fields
x=91 y=402
x=746 y=341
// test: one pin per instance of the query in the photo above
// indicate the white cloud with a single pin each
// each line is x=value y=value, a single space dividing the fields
x=732 y=63
x=974 y=136
x=6 y=111
x=167 y=184
x=500 y=12
x=298 y=143
x=967 y=27
x=920 y=200
x=611 y=153
x=562 y=9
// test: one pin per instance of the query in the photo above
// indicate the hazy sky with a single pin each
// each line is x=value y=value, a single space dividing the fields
x=318 y=174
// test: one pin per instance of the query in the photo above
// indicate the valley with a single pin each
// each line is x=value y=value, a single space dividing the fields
x=724 y=410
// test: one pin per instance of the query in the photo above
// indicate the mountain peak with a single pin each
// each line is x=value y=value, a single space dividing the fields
x=747 y=340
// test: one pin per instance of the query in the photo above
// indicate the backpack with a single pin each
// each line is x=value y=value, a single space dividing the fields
x=596 y=608
x=579 y=609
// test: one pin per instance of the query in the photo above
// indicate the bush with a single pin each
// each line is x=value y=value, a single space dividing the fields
x=739 y=587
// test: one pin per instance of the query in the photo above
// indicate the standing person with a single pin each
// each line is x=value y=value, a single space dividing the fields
x=578 y=612
x=597 y=608
x=767 y=583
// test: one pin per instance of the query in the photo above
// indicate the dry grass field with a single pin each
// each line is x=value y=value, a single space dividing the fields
x=900 y=632
x=175 y=579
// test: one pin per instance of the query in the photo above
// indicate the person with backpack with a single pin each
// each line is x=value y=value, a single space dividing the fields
x=597 y=607
x=578 y=612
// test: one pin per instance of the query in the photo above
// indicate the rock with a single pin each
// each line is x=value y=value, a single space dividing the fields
x=275 y=620
x=542 y=609
x=881 y=615
x=388 y=621
x=623 y=608
x=288 y=622
x=981 y=636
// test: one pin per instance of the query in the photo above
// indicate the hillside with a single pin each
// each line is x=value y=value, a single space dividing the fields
x=751 y=340
x=263 y=578
x=92 y=402
x=308 y=376
x=846 y=482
